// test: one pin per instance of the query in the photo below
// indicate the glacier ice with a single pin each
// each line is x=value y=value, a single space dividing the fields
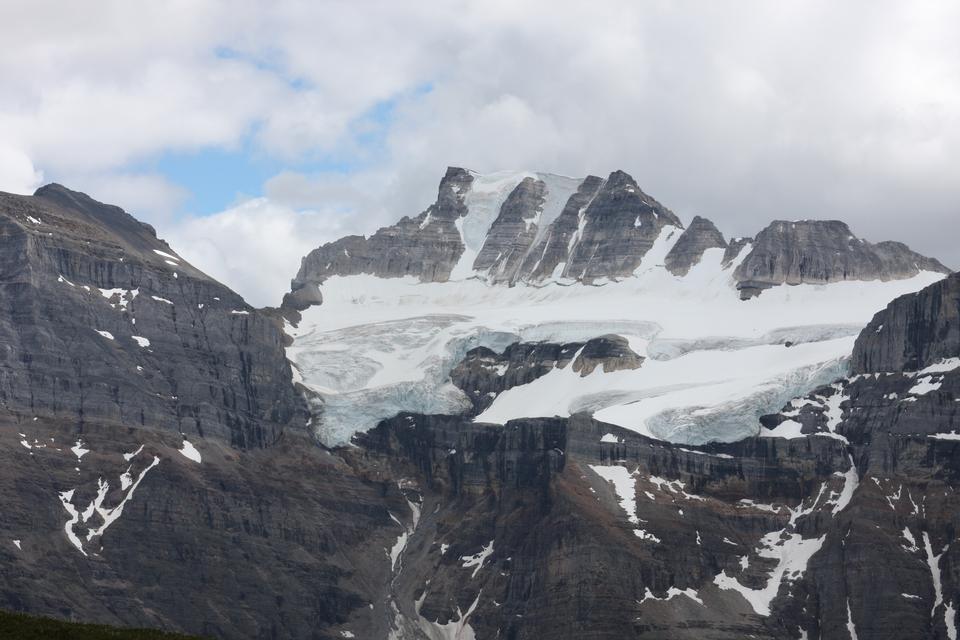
x=714 y=363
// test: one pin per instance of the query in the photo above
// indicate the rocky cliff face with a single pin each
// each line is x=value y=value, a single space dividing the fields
x=102 y=323
x=426 y=247
x=156 y=465
x=913 y=332
x=621 y=225
x=513 y=232
x=897 y=417
x=695 y=239
x=553 y=251
x=822 y=251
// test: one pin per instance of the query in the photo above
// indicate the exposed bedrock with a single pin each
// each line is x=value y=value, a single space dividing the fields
x=483 y=373
x=553 y=249
x=688 y=250
x=823 y=251
x=620 y=225
x=426 y=246
x=101 y=322
x=513 y=232
x=913 y=332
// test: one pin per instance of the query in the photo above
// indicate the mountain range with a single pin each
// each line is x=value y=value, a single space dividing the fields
x=542 y=408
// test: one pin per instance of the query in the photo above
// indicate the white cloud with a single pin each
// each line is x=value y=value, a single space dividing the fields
x=149 y=197
x=255 y=247
x=17 y=173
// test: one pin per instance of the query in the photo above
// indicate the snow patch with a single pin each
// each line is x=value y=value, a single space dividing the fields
x=477 y=559
x=107 y=515
x=187 y=450
x=624 y=485
x=792 y=553
x=788 y=429
x=673 y=592
x=163 y=254
x=79 y=450
x=123 y=296
x=953 y=435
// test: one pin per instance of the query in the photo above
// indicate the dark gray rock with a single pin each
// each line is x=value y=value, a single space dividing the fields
x=282 y=542
x=823 y=251
x=610 y=352
x=564 y=561
x=734 y=248
x=913 y=332
x=101 y=322
x=267 y=536
x=483 y=374
x=620 y=225
x=554 y=248
x=695 y=239
x=889 y=552
x=427 y=246
x=303 y=298
x=513 y=232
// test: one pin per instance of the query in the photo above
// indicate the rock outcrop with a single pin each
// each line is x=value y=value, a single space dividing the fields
x=734 y=249
x=426 y=247
x=483 y=374
x=610 y=353
x=823 y=251
x=157 y=469
x=510 y=236
x=551 y=254
x=603 y=230
x=695 y=239
x=913 y=332
x=102 y=323
x=620 y=225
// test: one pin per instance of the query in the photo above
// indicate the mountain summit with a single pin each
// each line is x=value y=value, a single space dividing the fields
x=513 y=227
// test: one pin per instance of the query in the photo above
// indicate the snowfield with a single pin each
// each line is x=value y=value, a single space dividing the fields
x=713 y=365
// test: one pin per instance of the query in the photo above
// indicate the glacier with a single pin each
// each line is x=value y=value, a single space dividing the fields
x=714 y=363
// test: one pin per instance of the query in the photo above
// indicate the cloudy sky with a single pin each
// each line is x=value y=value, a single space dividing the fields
x=250 y=132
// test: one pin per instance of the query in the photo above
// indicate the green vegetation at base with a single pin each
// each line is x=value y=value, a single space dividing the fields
x=17 y=626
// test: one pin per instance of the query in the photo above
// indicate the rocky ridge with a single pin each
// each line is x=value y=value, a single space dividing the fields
x=155 y=452
x=602 y=230
x=820 y=252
